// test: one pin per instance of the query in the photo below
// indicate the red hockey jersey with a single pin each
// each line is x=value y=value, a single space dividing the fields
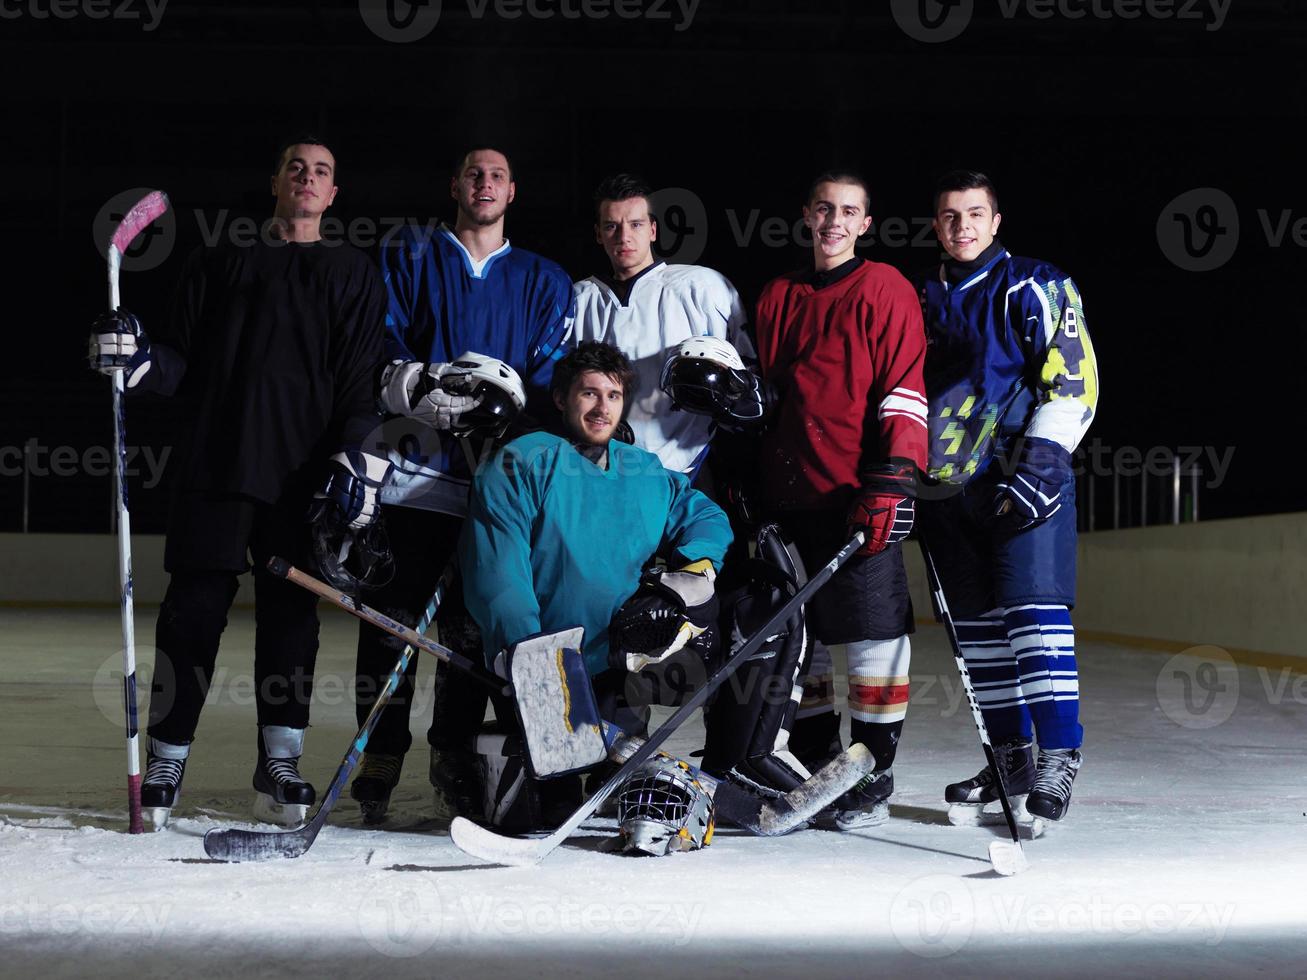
x=846 y=360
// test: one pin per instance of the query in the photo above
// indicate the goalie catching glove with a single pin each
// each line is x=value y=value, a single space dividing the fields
x=119 y=344
x=883 y=509
x=671 y=610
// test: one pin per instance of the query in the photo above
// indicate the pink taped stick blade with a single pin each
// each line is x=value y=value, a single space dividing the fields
x=134 y=221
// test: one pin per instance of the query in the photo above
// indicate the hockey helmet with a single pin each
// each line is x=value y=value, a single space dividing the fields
x=705 y=376
x=663 y=809
x=497 y=386
x=351 y=559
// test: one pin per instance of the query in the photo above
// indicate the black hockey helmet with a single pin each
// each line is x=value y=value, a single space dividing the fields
x=497 y=387
x=352 y=559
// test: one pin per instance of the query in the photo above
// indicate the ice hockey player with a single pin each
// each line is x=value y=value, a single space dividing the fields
x=647 y=308
x=452 y=291
x=841 y=341
x=1013 y=386
x=271 y=353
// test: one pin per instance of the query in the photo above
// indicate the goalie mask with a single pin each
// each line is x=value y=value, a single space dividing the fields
x=705 y=376
x=498 y=388
x=663 y=809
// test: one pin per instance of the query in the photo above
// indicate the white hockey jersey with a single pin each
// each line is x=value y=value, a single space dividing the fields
x=666 y=305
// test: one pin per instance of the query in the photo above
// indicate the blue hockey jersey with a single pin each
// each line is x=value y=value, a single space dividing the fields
x=513 y=305
x=1007 y=355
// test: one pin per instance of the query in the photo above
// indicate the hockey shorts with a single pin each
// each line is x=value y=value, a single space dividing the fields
x=982 y=567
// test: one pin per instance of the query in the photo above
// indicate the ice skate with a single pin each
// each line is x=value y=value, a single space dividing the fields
x=283 y=797
x=161 y=788
x=456 y=779
x=974 y=802
x=377 y=778
x=867 y=803
x=1051 y=796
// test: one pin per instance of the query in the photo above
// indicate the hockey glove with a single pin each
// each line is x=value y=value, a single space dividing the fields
x=349 y=496
x=884 y=508
x=1032 y=493
x=670 y=611
x=414 y=389
x=119 y=344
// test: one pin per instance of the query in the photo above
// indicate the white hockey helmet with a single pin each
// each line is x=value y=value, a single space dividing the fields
x=663 y=809
x=495 y=383
x=705 y=376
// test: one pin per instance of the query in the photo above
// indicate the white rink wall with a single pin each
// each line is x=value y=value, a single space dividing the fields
x=1236 y=583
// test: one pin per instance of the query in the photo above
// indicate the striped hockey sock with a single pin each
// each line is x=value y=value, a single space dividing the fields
x=1044 y=642
x=993 y=669
x=878 y=694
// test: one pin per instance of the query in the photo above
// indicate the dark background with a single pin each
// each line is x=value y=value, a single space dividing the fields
x=1090 y=127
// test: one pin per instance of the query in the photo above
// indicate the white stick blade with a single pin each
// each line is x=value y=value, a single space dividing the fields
x=826 y=786
x=481 y=842
x=1007 y=857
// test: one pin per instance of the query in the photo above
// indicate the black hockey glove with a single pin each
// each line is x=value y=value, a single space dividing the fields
x=1033 y=492
x=119 y=344
x=670 y=611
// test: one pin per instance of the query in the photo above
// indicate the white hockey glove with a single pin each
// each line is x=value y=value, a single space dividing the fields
x=670 y=611
x=350 y=492
x=416 y=390
x=119 y=344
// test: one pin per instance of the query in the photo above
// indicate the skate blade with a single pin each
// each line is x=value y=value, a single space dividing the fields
x=990 y=814
x=156 y=817
x=861 y=819
x=291 y=815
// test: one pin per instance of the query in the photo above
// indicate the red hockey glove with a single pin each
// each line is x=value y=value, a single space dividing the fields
x=884 y=508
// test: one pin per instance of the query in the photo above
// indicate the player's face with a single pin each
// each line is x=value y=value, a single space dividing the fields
x=627 y=233
x=592 y=407
x=484 y=188
x=966 y=223
x=305 y=185
x=836 y=216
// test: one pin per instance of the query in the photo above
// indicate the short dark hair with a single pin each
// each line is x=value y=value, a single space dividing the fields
x=457 y=170
x=307 y=139
x=965 y=180
x=840 y=177
x=623 y=187
x=594 y=355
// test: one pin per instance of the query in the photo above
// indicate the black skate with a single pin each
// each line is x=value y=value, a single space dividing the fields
x=283 y=795
x=161 y=788
x=867 y=803
x=456 y=778
x=968 y=799
x=378 y=776
x=1051 y=796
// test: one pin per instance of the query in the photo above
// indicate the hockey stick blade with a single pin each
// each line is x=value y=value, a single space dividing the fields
x=142 y=213
x=804 y=802
x=1007 y=857
x=494 y=848
x=236 y=845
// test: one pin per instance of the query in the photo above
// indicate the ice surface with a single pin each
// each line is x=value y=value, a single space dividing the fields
x=1183 y=853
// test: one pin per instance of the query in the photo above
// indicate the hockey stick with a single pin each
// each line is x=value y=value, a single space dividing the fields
x=146 y=210
x=235 y=844
x=1006 y=857
x=765 y=818
x=499 y=849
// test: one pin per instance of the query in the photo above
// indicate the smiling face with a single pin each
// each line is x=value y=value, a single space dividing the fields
x=483 y=188
x=305 y=183
x=966 y=223
x=592 y=407
x=836 y=215
x=627 y=232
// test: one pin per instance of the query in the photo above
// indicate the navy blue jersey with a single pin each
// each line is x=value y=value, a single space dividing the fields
x=513 y=305
x=1007 y=355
